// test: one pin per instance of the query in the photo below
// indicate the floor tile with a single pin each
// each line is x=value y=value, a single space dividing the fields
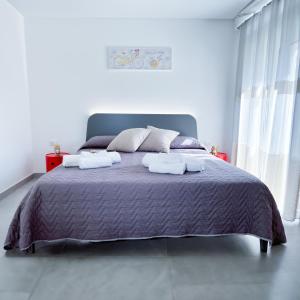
x=20 y=273
x=224 y=269
x=105 y=278
x=235 y=292
x=14 y=296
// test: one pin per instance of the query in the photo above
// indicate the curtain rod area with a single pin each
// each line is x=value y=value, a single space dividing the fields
x=249 y=11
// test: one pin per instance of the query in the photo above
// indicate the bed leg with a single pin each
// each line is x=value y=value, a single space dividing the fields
x=33 y=248
x=263 y=246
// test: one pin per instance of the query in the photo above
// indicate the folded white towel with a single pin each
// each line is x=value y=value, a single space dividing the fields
x=87 y=154
x=70 y=161
x=150 y=158
x=87 y=162
x=195 y=164
x=176 y=168
x=174 y=162
x=114 y=156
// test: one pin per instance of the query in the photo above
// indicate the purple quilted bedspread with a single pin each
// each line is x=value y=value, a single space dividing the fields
x=125 y=201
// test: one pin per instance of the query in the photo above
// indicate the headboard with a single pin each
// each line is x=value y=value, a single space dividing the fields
x=112 y=124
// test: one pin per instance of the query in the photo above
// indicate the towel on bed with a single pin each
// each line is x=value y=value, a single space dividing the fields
x=86 y=162
x=167 y=168
x=150 y=158
x=194 y=164
x=113 y=155
x=160 y=162
x=70 y=161
x=102 y=156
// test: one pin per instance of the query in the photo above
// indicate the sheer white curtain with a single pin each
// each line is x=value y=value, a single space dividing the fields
x=268 y=125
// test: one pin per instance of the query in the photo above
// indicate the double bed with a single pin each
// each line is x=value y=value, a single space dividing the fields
x=126 y=201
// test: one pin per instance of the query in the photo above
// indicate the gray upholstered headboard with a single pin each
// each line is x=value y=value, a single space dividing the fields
x=112 y=124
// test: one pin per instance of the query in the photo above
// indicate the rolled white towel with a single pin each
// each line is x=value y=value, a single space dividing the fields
x=87 y=162
x=71 y=161
x=85 y=153
x=150 y=158
x=114 y=156
x=195 y=164
x=176 y=168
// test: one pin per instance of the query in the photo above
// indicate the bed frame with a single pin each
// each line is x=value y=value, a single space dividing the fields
x=112 y=124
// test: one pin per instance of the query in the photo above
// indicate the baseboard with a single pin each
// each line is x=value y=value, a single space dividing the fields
x=37 y=175
x=19 y=184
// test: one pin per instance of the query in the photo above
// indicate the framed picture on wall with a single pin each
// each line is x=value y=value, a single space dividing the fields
x=139 y=58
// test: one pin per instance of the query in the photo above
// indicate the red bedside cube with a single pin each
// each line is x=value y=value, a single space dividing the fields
x=222 y=155
x=53 y=160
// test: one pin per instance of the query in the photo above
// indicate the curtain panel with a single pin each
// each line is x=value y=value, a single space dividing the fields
x=267 y=125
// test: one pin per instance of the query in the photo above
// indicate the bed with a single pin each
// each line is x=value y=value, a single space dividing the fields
x=125 y=201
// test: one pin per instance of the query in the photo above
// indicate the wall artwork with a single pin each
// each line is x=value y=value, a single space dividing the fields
x=139 y=58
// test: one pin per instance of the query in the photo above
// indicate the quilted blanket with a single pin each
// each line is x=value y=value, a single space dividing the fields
x=126 y=201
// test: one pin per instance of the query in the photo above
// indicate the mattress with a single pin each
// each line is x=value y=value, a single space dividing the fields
x=126 y=201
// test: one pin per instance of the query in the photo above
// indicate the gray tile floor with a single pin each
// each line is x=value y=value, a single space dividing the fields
x=192 y=268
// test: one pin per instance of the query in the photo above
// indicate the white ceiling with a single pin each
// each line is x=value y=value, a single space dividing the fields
x=204 y=9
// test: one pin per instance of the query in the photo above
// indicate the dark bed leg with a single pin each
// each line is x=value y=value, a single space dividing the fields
x=263 y=246
x=31 y=249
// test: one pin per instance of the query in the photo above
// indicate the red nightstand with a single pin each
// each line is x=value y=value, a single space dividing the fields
x=53 y=160
x=222 y=155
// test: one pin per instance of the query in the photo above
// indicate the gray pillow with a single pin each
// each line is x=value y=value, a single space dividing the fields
x=128 y=140
x=101 y=141
x=186 y=142
x=159 y=140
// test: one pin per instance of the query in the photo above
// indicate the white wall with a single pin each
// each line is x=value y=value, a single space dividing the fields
x=15 y=128
x=69 y=80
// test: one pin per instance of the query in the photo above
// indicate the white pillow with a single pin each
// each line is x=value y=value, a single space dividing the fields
x=159 y=140
x=128 y=140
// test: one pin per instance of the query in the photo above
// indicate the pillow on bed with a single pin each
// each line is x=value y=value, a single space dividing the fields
x=128 y=140
x=186 y=142
x=98 y=142
x=159 y=140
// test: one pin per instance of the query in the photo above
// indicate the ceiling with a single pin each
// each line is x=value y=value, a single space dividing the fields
x=204 y=9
